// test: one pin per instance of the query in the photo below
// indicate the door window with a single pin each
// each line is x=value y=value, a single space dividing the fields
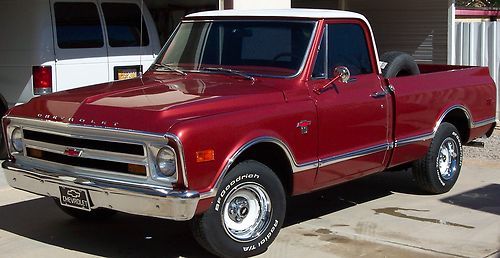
x=78 y=25
x=345 y=45
x=319 y=71
x=123 y=24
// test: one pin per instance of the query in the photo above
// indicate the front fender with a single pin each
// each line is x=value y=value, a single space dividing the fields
x=228 y=133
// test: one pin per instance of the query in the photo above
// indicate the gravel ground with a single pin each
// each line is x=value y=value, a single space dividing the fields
x=491 y=150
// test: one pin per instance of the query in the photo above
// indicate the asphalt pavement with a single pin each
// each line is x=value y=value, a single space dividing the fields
x=383 y=215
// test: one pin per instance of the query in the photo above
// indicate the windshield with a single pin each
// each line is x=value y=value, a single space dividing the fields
x=259 y=48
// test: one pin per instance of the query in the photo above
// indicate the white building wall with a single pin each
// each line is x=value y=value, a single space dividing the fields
x=478 y=44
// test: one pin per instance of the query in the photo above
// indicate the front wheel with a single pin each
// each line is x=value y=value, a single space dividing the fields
x=438 y=171
x=246 y=214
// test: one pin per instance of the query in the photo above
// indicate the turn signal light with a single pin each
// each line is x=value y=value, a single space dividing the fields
x=34 y=153
x=137 y=169
x=205 y=155
x=42 y=80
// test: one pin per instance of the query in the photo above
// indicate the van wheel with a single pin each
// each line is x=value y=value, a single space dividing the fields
x=398 y=64
x=246 y=215
x=3 y=145
x=97 y=214
x=438 y=171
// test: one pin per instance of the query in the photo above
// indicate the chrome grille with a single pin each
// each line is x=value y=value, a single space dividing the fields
x=79 y=151
x=94 y=152
x=118 y=147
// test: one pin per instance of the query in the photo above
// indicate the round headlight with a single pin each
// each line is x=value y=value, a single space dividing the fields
x=166 y=161
x=17 y=140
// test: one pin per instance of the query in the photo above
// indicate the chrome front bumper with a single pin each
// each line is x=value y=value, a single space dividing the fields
x=144 y=200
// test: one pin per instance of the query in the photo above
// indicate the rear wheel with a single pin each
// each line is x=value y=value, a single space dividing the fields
x=438 y=171
x=97 y=214
x=246 y=215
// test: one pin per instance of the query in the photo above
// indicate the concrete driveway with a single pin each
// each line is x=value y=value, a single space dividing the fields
x=383 y=215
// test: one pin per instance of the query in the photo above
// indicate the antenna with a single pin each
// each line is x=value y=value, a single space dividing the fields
x=140 y=42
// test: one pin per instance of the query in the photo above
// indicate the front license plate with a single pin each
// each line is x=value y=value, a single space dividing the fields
x=74 y=198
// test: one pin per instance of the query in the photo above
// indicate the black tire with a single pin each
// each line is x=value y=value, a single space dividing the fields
x=97 y=214
x=398 y=64
x=213 y=229
x=426 y=171
x=3 y=145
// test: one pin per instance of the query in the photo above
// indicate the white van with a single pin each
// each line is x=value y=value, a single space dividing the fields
x=54 y=45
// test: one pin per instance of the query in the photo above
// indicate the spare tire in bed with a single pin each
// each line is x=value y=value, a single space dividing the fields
x=397 y=64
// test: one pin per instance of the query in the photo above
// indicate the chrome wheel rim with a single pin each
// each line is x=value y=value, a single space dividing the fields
x=447 y=159
x=247 y=212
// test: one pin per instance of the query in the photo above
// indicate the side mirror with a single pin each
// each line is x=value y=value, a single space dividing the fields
x=340 y=73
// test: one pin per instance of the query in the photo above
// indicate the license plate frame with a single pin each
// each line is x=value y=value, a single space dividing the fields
x=74 y=198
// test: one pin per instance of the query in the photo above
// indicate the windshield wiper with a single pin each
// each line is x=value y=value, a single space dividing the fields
x=170 y=68
x=231 y=71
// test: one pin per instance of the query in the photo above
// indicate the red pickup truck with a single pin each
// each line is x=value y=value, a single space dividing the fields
x=240 y=110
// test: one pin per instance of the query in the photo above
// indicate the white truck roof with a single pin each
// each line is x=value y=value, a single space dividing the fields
x=292 y=12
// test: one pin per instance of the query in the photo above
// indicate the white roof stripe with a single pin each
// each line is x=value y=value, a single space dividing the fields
x=292 y=12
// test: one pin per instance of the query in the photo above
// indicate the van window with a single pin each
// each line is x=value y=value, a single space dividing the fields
x=78 y=25
x=123 y=23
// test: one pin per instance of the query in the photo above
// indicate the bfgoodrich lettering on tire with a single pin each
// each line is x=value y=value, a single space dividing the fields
x=438 y=171
x=246 y=214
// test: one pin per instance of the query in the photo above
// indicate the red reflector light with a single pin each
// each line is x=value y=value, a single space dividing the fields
x=42 y=80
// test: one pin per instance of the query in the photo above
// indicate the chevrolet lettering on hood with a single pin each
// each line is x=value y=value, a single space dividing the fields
x=78 y=120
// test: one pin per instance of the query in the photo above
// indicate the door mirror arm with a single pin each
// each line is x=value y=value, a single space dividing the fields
x=340 y=73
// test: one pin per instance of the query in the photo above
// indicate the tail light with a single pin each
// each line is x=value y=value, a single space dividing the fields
x=42 y=80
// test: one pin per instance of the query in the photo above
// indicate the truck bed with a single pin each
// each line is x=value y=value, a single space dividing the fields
x=422 y=100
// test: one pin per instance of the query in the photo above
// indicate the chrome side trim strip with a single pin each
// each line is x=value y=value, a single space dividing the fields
x=414 y=139
x=354 y=154
x=265 y=139
x=484 y=122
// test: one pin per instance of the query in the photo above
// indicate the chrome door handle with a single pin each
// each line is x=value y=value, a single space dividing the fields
x=379 y=94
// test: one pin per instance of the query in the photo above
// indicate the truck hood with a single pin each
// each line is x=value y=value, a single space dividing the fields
x=153 y=103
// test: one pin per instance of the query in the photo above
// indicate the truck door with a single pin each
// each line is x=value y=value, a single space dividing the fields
x=353 y=117
x=81 y=55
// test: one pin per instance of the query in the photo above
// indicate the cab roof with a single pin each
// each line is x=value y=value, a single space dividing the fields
x=290 y=13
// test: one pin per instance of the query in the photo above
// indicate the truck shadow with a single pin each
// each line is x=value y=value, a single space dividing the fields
x=339 y=197
x=135 y=236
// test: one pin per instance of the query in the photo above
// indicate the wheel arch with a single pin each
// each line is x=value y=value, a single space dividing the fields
x=270 y=151
x=460 y=117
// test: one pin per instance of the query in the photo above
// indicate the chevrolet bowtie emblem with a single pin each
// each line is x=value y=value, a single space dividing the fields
x=304 y=126
x=73 y=152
